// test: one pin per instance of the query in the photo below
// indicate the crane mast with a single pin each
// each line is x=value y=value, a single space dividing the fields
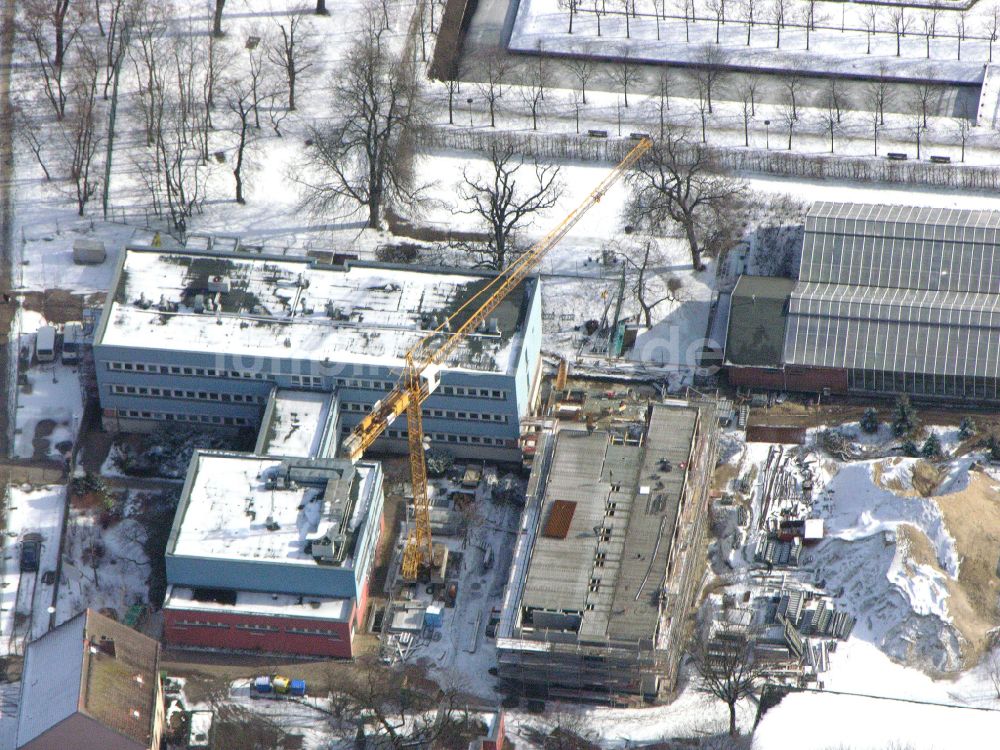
x=423 y=361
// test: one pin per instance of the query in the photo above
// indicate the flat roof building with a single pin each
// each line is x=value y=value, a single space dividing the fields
x=605 y=570
x=272 y=554
x=889 y=299
x=203 y=337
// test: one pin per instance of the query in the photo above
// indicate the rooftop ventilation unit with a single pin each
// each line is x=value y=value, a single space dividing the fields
x=219 y=284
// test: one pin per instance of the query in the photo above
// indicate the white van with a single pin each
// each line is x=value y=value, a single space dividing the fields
x=72 y=345
x=45 y=344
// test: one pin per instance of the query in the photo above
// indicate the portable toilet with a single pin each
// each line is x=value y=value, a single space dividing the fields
x=298 y=687
x=281 y=684
x=434 y=615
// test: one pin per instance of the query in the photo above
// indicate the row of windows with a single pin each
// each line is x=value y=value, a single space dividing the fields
x=308 y=381
x=443 y=437
x=238 y=398
x=171 y=417
x=331 y=634
x=205 y=372
x=436 y=413
x=257 y=628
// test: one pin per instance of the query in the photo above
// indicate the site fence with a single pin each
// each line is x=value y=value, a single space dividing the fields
x=611 y=150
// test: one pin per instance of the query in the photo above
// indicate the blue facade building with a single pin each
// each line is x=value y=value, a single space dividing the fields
x=301 y=526
x=203 y=338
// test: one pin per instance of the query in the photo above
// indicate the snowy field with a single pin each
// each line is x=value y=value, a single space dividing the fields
x=843 y=38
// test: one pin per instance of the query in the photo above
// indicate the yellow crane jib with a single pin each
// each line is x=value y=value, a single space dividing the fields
x=421 y=372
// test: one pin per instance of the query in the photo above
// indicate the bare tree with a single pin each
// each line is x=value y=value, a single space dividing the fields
x=779 y=14
x=537 y=78
x=746 y=112
x=494 y=67
x=30 y=130
x=582 y=67
x=625 y=71
x=709 y=72
x=650 y=289
x=833 y=96
x=992 y=27
x=830 y=116
x=993 y=670
x=505 y=199
x=809 y=19
x=963 y=125
x=961 y=19
x=664 y=83
x=363 y=157
x=749 y=8
x=388 y=709
x=878 y=94
x=293 y=50
x=900 y=24
x=679 y=182
x=874 y=117
x=687 y=8
x=718 y=10
x=916 y=128
x=238 y=728
x=927 y=23
x=788 y=118
x=239 y=101
x=50 y=27
x=869 y=19
x=728 y=671
x=81 y=128
x=168 y=67
x=750 y=82
x=921 y=99
x=115 y=30
x=217 y=17
x=792 y=84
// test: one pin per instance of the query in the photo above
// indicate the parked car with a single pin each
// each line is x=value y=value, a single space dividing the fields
x=31 y=552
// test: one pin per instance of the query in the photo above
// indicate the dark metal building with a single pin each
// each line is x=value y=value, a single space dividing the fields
x=889 y=299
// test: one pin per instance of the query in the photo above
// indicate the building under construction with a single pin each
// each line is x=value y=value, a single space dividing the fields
x=609 y=558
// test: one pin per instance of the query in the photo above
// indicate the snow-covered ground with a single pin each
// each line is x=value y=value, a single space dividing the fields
x=839 y=41
x=52 y=396
x=25 y=599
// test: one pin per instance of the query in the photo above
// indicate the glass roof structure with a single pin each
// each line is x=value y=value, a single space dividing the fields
x=898 y=288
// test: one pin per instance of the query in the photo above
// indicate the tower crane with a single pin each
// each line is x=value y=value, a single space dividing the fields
x=424 y=360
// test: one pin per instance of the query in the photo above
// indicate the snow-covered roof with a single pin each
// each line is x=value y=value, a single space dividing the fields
x=256 y=603
x=50 y=684
x=295 y=423
x=264 y=306
x=245 y=507
x=812 y=720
